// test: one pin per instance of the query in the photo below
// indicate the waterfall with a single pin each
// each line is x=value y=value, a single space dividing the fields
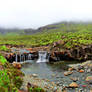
x=20 y=58
x=42 y=57
x=29 y=56
x=16 y=58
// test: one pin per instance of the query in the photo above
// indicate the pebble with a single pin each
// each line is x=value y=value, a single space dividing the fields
x=81 y=71
x=34 y=75
x=68 y=73
x=74 y=79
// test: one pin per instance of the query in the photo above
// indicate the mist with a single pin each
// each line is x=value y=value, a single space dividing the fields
x=36 y=13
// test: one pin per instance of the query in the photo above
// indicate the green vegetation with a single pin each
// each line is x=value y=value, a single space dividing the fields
x=10 y=77
x=36 y=89
x=3 y=48
x=2 y=60
x=72 y=34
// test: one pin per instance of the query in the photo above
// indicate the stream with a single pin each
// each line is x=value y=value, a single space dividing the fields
x=55 y=72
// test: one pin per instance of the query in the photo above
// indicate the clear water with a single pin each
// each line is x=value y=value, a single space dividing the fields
x=55 y=73
x=44 y=70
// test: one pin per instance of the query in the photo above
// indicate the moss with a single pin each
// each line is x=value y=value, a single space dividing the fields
x=2 y=60
x=4 y=48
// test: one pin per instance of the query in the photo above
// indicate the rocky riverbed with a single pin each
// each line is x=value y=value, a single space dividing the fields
x=78 y=78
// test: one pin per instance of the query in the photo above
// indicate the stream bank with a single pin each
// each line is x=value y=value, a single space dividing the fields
x=76 y=78
x=55 y=53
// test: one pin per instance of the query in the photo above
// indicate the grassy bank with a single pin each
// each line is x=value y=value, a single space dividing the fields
x=10 y=77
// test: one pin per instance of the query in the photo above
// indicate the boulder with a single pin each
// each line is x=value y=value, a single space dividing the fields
x=73 y=85
x=17 y=65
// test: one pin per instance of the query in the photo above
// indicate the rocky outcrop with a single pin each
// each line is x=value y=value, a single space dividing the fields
x=56 y=52
x=80 y=53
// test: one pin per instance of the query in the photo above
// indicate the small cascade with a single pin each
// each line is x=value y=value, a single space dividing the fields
x=16 y=58
x=29 y=56
x=23 y=57
x=43 y=57
x=20 y=57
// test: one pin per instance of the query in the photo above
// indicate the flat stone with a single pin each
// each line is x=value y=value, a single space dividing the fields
x=68 y=73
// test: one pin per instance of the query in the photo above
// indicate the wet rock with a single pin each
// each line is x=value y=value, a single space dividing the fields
x=17 y=65
x=73 y=85
x=34 y=75
x=80 y=90
x=55 y=89
x=80 y=67
x=68 y=73
x=89 y=79
x=70 y=69
x=81 y=71
x=88 y=70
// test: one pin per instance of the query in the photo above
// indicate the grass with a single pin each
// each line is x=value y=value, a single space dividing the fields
x=73 y=35
x=10 y=78
x=2 y=60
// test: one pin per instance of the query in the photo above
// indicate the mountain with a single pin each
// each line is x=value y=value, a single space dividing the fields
x=60 y=26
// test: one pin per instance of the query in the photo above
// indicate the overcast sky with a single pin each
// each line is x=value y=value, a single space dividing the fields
x=36 y=13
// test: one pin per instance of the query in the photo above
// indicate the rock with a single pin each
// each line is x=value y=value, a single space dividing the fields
x=90 y=90
x=55 y=89
x=89 y=79
x=34 y=75
x=80 y=67
x=81 y=71
x=17 y=65
x=70 y=69
x=53 y=75
x=74 y=79
x=73 y=85
x=80 y=90
x=87 y=63
x=88 y=70
x=68 y=73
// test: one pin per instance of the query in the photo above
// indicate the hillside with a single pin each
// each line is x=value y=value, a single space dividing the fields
x=72 y=34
